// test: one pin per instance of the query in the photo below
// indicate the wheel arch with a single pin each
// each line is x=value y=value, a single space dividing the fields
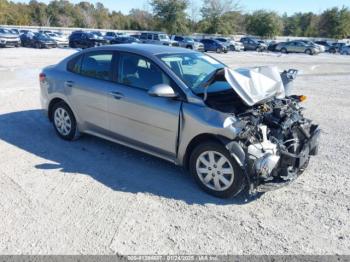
x=198 y=140
x=55 y=101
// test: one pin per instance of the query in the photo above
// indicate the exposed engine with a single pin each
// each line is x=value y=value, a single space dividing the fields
x=277 y=139
x=274 y=138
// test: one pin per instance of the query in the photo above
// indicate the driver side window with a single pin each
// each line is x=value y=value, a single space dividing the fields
x=137 y=71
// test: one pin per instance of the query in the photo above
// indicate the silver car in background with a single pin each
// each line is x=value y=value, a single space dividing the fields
x=188 y=42
x=231 y=44
x=185 y=107
x=345 y=50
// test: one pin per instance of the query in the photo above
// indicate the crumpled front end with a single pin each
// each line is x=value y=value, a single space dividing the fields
x=274 y=143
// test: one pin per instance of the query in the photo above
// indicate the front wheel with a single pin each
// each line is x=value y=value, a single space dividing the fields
x=215 y=170
x=308 y=52
x=64 y=121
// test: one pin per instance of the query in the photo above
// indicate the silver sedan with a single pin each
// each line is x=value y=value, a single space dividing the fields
x=178 y=105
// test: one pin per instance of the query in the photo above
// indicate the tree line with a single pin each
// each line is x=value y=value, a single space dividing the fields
x=224 y=17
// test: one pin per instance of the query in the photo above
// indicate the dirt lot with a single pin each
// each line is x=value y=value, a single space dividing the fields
x=95 y=197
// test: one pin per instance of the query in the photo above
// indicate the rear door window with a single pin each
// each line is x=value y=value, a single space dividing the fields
x=97 y=65
x=74 y=65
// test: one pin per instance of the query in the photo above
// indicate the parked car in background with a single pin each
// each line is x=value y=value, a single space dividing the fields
x=98 y=35
x=345 y=50
x=231 y=44
x=14 y=31
x=176 y=104
x=157 y=38
x=321 y=48
x=111 y=35
x=25 y=31
x=297 y=47
x=124 y=40
x=328 y=47
x=81 y=39
x=337 y=47
x=273 y=45
x=253 y=44
x=8 y=39
x=37 y=40
x=137 y=36
x=188 y=42
x=61 y=41
x=213 y=45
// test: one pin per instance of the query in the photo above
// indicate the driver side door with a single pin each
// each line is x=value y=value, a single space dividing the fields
x=135 y=117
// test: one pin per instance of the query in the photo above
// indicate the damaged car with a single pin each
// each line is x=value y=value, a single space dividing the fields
x=231 y=129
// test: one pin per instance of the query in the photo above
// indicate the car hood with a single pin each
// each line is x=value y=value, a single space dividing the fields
x=255 y=85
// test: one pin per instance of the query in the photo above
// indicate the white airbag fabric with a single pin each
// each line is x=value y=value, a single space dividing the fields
x=254 y=85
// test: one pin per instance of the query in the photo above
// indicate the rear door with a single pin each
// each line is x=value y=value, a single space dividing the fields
x=135 y=116
x=88 y=87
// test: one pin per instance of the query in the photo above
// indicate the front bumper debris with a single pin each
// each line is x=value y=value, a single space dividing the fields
x=292 y=164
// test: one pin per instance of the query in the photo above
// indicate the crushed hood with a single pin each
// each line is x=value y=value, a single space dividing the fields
x=255 y=85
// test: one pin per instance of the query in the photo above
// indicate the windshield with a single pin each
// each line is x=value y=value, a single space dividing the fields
x=189 y=39
x=195 y=69
x=42 y=37
x=5 y=31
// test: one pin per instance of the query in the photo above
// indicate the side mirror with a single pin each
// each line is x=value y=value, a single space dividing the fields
x=162 y=90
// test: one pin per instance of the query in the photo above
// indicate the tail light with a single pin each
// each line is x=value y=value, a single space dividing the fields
x=42 y=77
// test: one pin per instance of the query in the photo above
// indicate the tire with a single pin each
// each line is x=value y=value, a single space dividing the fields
x=284 y=51
x=189 y=47
x=218 y=50
x=64 y=122
x=308 y=52
x=219 y=184
x=37 y=45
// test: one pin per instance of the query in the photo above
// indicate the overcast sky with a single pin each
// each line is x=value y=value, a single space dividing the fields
x=281 y=6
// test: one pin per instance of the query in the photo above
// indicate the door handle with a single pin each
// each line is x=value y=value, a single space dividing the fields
x=69 y=83
x=117 y=95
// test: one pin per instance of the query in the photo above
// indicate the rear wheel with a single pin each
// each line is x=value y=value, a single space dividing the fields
x=215 y=171
x=64 y=121
x=284 y=51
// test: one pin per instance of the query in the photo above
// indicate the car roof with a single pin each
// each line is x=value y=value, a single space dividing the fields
x=146 y=49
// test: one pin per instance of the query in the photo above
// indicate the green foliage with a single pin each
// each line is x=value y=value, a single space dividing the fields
x=301 y=24
x=179 y=17
x=171 y=15
x=335 y=23
x=218 y=17
x=264 y=23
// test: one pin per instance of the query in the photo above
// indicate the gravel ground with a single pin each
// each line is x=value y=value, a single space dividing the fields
x=95 y=197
